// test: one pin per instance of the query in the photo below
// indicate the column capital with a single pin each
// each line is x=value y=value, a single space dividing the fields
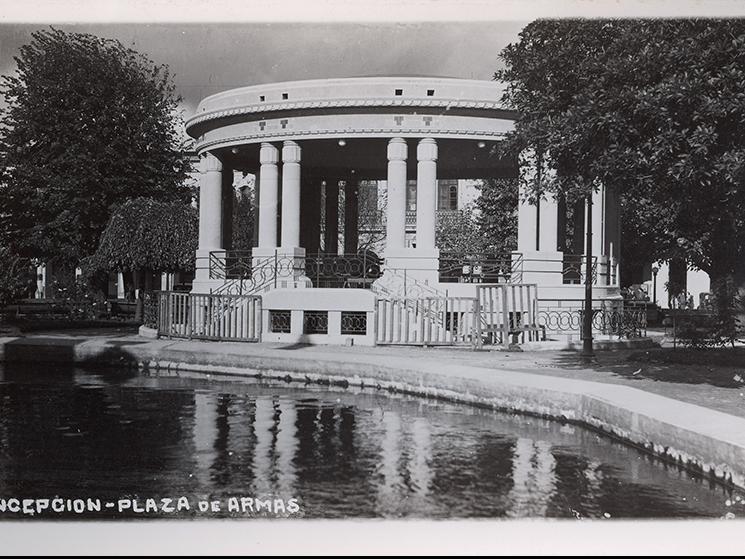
x=290 y=152
x=397 y=149
x=426 y=150
x=209 y=162
x=268 y=154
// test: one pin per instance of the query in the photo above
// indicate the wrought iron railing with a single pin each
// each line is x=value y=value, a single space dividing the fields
x=574 y=268
x=480 y=268
x=230 y=264
x=613 y=320
x=343 y=270
x=254 y=276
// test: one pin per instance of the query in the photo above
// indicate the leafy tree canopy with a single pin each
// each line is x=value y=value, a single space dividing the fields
x=655 y=108
x=146 y=234
x=88 y=123
x=456 y=232
x=496 y=219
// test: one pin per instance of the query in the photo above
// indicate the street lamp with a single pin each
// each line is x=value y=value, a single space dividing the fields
x=655 y=269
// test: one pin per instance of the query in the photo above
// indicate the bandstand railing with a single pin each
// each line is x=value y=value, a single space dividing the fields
x=610 y=318
x=574 y=269
x=245 y=277
x=230 y=264
x=480 y=268
x=358 y=270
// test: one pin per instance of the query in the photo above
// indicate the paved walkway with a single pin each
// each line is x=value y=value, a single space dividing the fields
x=609 y=366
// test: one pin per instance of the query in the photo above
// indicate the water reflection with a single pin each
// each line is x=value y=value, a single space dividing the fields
x=533 y=478
x=338 y=452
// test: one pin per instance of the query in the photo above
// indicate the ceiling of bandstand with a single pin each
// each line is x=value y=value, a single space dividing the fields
x=366 y=158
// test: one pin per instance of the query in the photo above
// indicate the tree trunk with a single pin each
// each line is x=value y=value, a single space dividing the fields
x=139 y=283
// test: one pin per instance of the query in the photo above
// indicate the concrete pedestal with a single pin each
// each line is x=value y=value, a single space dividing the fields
x=288 y=262
x=418 y=265
x=542 y=267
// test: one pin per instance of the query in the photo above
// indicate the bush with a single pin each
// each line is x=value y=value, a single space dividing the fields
x=79 y=300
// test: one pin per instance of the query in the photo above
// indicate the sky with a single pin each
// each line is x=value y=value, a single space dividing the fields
x=214 y=45
x=208 y=58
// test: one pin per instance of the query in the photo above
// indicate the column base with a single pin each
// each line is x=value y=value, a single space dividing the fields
x=410 y=272
x=422 y=265
x=544 y=268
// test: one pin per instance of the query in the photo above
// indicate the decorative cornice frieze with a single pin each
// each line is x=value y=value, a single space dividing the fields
x=257 y=108
x=275 y=135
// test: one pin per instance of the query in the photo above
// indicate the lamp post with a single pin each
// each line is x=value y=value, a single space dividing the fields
x=587 y=351
x=655 y=269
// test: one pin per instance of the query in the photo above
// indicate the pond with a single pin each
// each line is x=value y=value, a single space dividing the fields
x=110 y=444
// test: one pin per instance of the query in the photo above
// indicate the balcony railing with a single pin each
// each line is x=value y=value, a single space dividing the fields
x=343 y=270
x=480 y=268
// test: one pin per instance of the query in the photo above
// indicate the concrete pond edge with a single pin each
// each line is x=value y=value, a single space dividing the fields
x=700 y=440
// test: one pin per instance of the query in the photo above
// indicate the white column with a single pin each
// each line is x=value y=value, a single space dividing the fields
x=426 y=193
x=527 y=213
x=598 y=235
x=548 y=223
x=537 y=225
x=268 y=187
x=210 y=216
x=290 y=194
x=396 y=211
x=598 y=221
x=210 y=203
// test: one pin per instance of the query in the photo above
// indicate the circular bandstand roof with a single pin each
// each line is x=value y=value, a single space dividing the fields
x=464 y=116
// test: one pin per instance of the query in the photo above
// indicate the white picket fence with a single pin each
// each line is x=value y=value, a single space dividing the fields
x=425 y=321
x=209 y=317
x=507 y=313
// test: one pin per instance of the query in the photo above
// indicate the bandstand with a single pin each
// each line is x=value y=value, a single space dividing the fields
x=310 y=142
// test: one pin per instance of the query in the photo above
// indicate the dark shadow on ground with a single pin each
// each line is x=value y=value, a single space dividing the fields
x=724 y=368
x=295 y=346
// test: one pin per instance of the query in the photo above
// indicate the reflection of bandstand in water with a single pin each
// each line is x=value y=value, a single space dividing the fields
x=312 y=145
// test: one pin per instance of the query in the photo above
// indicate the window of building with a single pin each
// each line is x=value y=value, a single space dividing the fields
x=285 y=96
x=262 y=98
x=399 y=92
x=430 y=92
x=447 y=195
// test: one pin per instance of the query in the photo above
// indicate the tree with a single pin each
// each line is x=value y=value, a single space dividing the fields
x=654 y=108
x=496 y=220
x=146 y=236
x=243 y=217
x=87 y=124
x=17 y=277
x=456 y=233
